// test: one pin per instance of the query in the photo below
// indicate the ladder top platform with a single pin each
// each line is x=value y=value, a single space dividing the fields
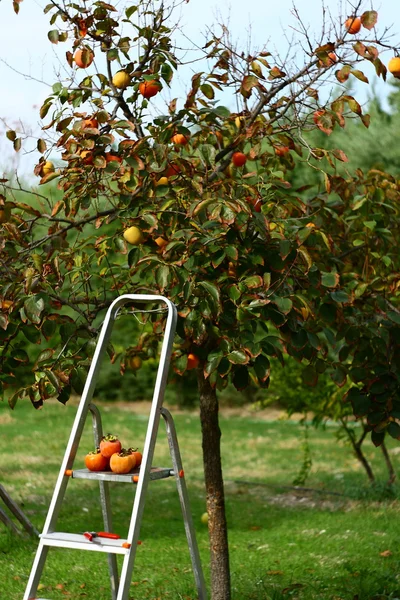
x=131 y=477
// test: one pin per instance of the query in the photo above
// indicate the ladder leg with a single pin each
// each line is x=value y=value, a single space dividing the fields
x=17 y=512
x=105 y=502
x=36 y=572
x=184 y=499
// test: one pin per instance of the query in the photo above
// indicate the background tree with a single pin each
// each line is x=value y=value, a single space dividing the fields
x=193 y=201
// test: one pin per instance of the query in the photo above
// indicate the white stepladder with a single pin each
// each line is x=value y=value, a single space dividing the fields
x=139 y=477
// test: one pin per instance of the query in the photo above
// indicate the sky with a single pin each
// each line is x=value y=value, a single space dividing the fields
x=30 y=64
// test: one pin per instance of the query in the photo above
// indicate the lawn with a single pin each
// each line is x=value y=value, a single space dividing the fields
x=284 y=543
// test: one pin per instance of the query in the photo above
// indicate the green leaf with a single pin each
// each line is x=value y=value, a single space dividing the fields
x=234 y=293
x=207 y=90
x=394 y=430
x=240 y=378
x=131 y=10
x=33 y=308
x=162 y=277
x=285 y=305
x=237 y=357
x=44 y=356
x=11 y=135
x=262 y=367
x=212 y=362
x=340 y=297
x=339 y=376
x=253 y=282
x=53 y=36
x=330 y=279
x=394 y=316
x=377 y=438
x=310 y=376
x=213 y=291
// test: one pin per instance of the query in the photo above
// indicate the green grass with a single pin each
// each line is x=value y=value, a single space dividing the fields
x=284 y=543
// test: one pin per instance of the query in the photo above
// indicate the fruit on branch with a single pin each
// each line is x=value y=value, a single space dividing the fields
x=281 y=150
x=109 y=445
x=134 y=362
x=5 y=212
x=353 y=25
x=255 y=203
x=330 y=60
x=83 y=58
x=87 y=157
x=47 y=168
x=133 y=236
x=162 y=181
x=95 y=461
x=179 y=139
x=193 y=361
x=121 y=80
x=122 y=462
x=239 y=159
x=110 y=157
x=172 y=170
x=394 y=66
x=91 y=122
x=149 y=88
x=161 y=242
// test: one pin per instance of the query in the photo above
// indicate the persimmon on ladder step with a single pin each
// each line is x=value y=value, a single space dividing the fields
x=140 y=478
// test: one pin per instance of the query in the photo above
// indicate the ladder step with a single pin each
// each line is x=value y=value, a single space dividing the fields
x=132 y=477
x=76 y=541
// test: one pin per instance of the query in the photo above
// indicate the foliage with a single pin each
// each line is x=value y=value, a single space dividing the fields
x=313 y=275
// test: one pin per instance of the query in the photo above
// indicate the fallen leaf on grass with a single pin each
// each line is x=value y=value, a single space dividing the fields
x=386 y=553
x=275 y=573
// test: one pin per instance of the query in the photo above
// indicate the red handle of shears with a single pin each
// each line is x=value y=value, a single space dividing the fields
x=89 y=535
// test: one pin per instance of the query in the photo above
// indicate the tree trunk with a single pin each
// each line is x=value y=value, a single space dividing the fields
x=217 y=528
x=392 y=474
x=358 y=452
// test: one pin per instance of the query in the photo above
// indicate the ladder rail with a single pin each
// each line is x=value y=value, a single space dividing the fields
x=148 y=452
x=185 y=505
x=105 y=502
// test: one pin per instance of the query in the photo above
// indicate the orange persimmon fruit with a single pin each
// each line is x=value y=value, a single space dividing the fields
x=109 y=445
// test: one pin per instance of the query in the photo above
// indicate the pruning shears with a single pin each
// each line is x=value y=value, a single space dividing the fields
x=90 y=535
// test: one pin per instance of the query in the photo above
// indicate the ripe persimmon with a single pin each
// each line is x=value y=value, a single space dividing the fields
x=179 y=139
x=330 y=60
x=122 y=462
x=281 y=150
x=83 y=58
x=109 y=445
x=394 y=66
x=91 y=122
x=87 y=157
x=172 y=170
x=353 y=25
x=149 y=88
x=239 y=159
x=193 y=361
x=255 y=203
x=138 y=456
x=110 y=157
x=161 y=242
x=95 y=461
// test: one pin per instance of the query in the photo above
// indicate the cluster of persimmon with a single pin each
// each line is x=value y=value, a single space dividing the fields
x=111 y=455
x=148 y=88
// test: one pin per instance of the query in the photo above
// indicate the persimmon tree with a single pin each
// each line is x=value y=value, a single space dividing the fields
x=191 y=199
